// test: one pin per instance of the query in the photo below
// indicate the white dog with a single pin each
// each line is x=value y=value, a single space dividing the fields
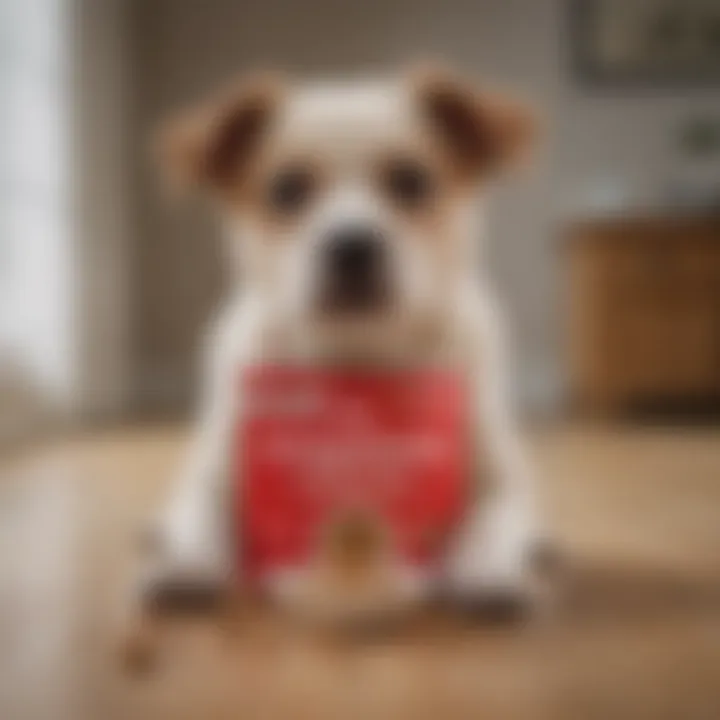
x=353 y=228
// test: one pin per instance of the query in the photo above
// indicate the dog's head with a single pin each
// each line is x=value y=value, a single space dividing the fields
x=350 y=205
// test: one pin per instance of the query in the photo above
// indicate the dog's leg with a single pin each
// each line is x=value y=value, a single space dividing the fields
x=193 y=554
x=189 y=558
x=489 y=566
x=185 y=561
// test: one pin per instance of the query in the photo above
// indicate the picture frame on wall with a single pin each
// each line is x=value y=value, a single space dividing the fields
x=654 y=43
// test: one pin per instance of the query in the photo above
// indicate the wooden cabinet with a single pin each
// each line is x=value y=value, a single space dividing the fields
x=643 y=301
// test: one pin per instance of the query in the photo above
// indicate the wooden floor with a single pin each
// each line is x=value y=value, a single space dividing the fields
x=639 y=637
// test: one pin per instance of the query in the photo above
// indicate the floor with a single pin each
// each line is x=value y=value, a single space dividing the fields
x=638 y=636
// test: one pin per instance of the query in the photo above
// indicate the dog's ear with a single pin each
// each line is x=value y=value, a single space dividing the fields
x=211 y=147
x=483 y=132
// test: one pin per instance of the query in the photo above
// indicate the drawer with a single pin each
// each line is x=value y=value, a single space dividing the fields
x=698 y=267
x=663 y=274
x=645 y=309
x=637 y=271
x=671 y=352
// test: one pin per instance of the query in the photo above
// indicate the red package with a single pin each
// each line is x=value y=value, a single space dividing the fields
x=317 y=443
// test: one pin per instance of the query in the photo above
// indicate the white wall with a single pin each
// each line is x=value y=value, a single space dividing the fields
x=185 y=47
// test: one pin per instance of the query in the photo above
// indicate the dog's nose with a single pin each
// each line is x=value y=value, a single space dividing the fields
x=355 y=253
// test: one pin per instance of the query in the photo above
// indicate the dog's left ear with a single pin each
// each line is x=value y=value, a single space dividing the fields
x=483 y=132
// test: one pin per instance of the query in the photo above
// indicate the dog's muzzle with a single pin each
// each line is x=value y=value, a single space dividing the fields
x=354 y=270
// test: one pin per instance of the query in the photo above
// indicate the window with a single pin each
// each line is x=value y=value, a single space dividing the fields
x=35 y=243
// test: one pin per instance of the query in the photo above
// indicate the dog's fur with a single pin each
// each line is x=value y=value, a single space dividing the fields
x=344 y=137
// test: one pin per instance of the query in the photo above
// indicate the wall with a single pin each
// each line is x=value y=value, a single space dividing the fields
x=185 y=47
x=104 y=209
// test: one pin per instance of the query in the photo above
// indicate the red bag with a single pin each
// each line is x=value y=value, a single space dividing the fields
x=316 y=443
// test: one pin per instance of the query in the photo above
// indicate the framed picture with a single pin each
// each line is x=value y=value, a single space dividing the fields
x=646 y=42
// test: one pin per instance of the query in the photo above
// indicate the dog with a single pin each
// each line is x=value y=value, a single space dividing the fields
x=353 y=217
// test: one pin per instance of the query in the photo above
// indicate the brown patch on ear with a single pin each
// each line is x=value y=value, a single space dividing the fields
x=484 y=133
x=212 y=147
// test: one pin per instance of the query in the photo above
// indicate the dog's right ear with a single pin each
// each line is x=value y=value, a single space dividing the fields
x=211 y=148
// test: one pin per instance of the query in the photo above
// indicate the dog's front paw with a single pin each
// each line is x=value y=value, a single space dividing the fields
x=172 y=592
x=173 y=581
x=500 y=606
x=505 y=589
x=494 y=599
x=489 y=584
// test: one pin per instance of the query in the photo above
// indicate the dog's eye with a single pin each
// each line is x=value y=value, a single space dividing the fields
x=408 y=183
x=291 y=189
